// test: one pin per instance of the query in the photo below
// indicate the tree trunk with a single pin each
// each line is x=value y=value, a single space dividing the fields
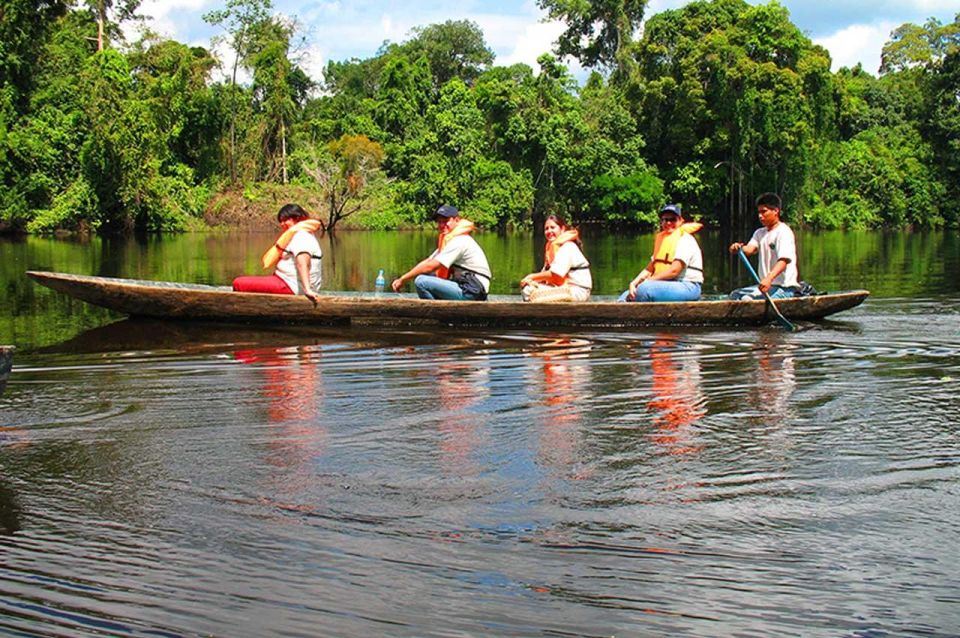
x=283 y=151
x=233 y=112
x=101 y=18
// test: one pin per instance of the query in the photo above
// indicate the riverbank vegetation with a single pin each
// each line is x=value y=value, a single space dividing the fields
x=715 y=102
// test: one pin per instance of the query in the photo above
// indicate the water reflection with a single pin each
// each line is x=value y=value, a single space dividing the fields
x=613 y=483
x=678 y=401
x=9 y=509
x=289 y=385
x=563 y=390
x=774 y=379
x=460 y=386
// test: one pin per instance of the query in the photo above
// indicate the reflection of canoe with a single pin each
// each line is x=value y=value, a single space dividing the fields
x=6 y=364
x=212 y=303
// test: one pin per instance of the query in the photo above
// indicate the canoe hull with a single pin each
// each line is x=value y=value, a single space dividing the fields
x=211 y=303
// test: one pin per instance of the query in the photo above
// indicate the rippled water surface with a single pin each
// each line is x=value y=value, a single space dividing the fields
x=243 y=482
x=164 y=479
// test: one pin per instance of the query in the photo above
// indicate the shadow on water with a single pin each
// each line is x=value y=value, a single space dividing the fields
x=6 y=365
x=158 y=337
x=9 y=508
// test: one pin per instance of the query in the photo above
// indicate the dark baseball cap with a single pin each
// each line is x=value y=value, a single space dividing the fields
x=671 y=208
x=447 y=211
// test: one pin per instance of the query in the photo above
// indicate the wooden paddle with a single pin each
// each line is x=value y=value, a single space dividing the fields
x=780 y=318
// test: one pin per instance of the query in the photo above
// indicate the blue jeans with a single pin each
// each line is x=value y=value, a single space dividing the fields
x=660 y=290
x=753 y=292
x=430 y=287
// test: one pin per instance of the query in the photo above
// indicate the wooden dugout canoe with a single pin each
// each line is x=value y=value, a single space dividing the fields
x=168 y=300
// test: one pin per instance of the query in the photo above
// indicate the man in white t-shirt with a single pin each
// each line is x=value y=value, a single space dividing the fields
x=457 y=270
x=675 y=271
x=778 y=253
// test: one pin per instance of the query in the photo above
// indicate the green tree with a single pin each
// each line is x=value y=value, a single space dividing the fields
x=344 y=170
x=279 y=90
x=942 y=128
x=453 y=49
x=599 y=33
x=120 y=11
x=738 y=87
x=911 y=45
x=239 y=18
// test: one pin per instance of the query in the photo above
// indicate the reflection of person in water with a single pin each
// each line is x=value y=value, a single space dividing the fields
x=291 y=388
x=460 y=386
x=564 y=380
x=775 y=378
x=678 y=401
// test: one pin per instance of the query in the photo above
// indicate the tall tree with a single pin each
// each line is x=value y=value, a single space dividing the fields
x=344 y=171
x=109 y=14
x=738 y=87
x=911 y=45
x=279 y=89
x=599 y=32
x=454 y=49
x=239 y=18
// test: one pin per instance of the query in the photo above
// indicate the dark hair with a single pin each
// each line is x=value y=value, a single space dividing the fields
x=561 y=222
x=770 y=200
x=291 y=211
x=557 y=218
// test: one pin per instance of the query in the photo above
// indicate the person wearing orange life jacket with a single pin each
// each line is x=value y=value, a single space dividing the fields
x=675 y=271
x=566 y=272
x=457 y=270
x=295 y=255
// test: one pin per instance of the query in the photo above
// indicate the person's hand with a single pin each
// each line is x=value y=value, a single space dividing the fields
x=632 y=294
x=397 y=284
x=765 y=284
x=311 y=295
x=735 y=246
x=526 y=281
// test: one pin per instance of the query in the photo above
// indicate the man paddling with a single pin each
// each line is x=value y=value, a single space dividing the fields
x=457 y=270
x=778 y=253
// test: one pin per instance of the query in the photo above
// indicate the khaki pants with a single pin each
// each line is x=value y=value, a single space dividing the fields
x=545 y=293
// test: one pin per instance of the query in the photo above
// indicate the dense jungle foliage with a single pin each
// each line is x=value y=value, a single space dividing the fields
x=715 y=102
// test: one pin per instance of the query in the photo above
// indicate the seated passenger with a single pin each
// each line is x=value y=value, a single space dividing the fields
x=457 y=270
x=778 y=253
x=296 y=255
x=566 y=272
x=675 y=272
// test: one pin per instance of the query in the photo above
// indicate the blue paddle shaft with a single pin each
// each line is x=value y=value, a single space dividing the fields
x=746 y=262
x=780 y=318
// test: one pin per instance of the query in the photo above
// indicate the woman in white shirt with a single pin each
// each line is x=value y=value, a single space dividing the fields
x=566 y=272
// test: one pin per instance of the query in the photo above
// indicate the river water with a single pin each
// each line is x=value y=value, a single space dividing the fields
x=165 y=479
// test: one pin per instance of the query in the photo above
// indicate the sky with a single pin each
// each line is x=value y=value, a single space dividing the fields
x=517 y=31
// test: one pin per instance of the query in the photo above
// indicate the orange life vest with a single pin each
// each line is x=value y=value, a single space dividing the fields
x=463 y=227
x=550 y=252
x=665 y=245
x=272 y=257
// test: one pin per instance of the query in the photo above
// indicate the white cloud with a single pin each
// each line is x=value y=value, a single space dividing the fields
x=312 y=62
x=533 y=41
x=861 y=43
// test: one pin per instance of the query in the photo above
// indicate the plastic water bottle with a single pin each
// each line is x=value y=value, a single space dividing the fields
x=381 y=282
